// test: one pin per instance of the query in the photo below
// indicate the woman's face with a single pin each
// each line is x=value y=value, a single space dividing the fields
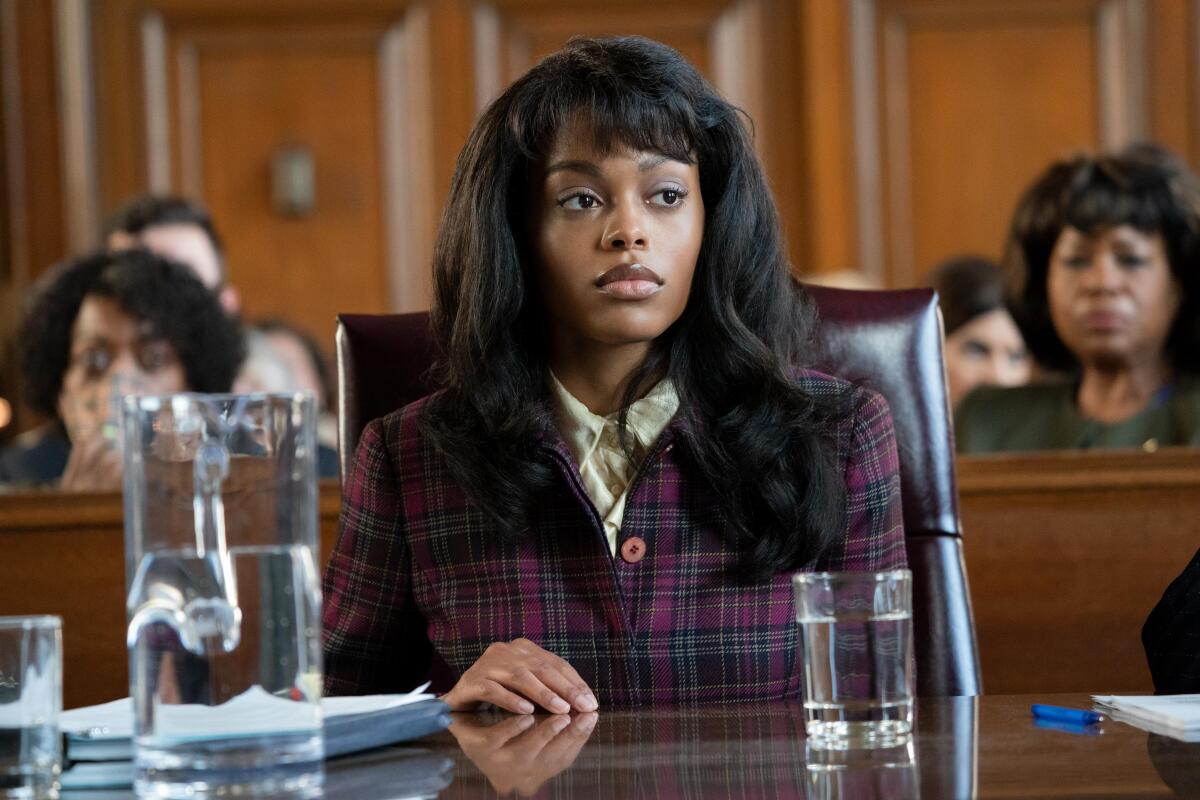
x=1112 y=296
x=112 y=354
x=985 y=351
x=615 y=237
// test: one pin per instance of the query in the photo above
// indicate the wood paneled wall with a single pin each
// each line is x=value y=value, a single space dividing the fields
x=894 y=132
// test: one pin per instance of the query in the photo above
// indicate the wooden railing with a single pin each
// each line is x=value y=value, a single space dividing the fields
x=1066 y=554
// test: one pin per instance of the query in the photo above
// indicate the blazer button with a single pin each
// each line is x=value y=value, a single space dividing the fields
x=632 y=549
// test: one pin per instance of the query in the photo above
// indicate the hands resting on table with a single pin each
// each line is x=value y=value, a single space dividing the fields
x=515 y=675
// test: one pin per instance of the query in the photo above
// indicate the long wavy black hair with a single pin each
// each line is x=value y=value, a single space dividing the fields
x=763 y=445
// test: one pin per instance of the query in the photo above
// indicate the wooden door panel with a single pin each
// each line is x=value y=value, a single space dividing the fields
x=198 y=96
x=973 y=99
x=988 y=106
x=253 y=102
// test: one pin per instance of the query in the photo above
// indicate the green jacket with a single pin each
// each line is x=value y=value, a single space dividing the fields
x=1044 y=417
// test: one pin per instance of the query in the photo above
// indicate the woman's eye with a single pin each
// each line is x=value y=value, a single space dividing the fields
x=1131 y=261
x=669 y=197
x=581 y=201
x=1077 y=262
x=973 y=348
x=155 y=357
x=95 y=362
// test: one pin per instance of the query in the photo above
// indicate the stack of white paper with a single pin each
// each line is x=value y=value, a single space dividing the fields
x=255 y=711
x=99 y=743
x=1174 y=715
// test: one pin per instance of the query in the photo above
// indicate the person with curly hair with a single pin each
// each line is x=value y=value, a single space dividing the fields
x=102 y=326
x=626 y=459
x=1103 y=270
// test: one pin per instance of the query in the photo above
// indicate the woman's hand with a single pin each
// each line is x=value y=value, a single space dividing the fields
x=95 y=465
x=520 y=754
x=515 y=675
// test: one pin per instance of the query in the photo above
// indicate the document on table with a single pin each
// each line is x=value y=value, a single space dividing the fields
x=1174 y=715
x=103 y=732
x=98 y=739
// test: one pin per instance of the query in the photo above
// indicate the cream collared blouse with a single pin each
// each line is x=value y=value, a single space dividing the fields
x=606 y=469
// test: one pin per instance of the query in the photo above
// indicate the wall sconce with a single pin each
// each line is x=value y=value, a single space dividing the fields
x=293 y=182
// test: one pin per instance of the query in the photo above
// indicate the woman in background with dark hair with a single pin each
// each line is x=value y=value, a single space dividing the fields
x=625 y=461
x=1103 y=264
x=102 y=326
x=983 y=345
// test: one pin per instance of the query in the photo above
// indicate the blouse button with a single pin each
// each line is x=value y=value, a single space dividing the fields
x=632 y=549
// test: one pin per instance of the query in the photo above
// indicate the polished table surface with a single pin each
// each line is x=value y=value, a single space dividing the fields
x=964 y=747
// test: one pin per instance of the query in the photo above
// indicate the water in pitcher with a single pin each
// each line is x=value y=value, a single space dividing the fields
x=199 y=662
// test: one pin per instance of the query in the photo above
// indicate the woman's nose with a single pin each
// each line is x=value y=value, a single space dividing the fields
x=626 y=230
x=1103 y=274
x=1007 y=371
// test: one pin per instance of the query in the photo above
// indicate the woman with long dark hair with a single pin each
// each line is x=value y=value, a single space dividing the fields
x=625 y=460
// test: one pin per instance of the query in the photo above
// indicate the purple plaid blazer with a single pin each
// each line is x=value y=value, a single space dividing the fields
x=420 y=582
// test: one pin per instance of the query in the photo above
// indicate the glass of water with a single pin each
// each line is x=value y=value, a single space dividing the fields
x=223 y=595
x=30 y=702
x=856 y=629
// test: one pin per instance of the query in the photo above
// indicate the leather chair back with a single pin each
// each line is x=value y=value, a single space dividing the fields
x=381 y=364
x=890 y=341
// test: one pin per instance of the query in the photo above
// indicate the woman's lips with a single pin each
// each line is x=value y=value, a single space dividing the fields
x=1104 y=320
x=629 y=282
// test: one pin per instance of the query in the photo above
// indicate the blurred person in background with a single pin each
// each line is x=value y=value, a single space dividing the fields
x=99 y=327
x=1103 y=272
x=280 y=357
x=178 y=229
x=983 y=345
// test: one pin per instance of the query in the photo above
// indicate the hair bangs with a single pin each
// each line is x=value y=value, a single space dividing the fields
x=1104 y=196
x=620 y=108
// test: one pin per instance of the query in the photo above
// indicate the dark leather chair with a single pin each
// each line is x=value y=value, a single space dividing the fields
x=891 y=341
x=888 y=340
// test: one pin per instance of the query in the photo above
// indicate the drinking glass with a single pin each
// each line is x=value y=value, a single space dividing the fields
x=30 y=702
x=856 y=629
x=224 y=601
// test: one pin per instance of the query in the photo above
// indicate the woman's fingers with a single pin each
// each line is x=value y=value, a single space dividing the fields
x=493 y=691
x=531 y=684
x=567 y=684
x=94 y=465
x=559 y=676
x=516 y=675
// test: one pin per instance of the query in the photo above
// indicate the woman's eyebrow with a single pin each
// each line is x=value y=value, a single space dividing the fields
x=645 y=164
x=586 y=167
x=652 y=160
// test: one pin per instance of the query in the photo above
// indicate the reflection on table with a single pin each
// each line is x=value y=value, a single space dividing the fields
x=963 y=747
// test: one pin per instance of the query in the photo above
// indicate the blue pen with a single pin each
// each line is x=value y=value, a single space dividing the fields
x=1060 y=714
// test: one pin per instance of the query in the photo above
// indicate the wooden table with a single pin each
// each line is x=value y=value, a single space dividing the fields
x=963 y=747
